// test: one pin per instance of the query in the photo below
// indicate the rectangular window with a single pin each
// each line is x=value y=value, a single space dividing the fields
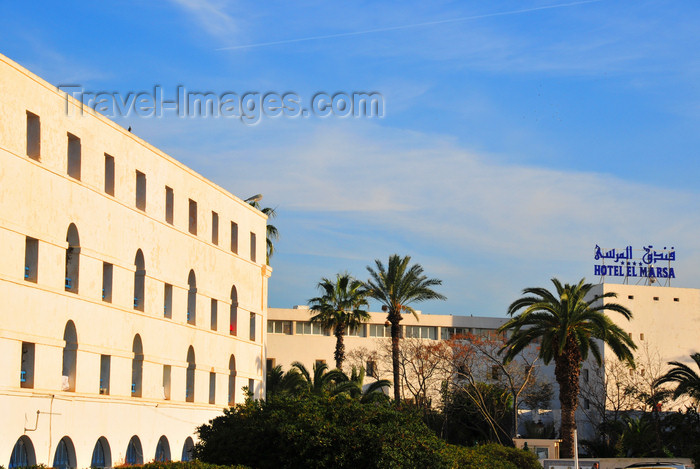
x=641 y=336
x=309 y=328
x=193 y=217
x=26 y=377
x=212 y=388
x=428 y=332
x=31 y=259
x=447 y=333
x=234 y=237
x=279 y=327
x=586 y=403
x=168 y=301
x=140 y=191
x=251 y=387
x=166 y=382
x=74 y=156
x=33 y=136
x=169 y=204
x=270 y=364
x=302 y=327
x=214 y=313
x=372 y=368
x=359 y=331
x=585 y=375
x=379 y=330
x=252 y=327
x=215 y=228
x=252 y=247
x=105 y=365
x=109 y=174
x=107 y=270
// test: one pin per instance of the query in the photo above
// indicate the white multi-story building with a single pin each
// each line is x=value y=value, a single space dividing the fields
x=666 y=322
x=292 y=337
x=133 y=289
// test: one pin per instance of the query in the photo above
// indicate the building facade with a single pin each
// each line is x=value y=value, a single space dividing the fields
x=665 y=327
x=133 y=289
x=292 y=337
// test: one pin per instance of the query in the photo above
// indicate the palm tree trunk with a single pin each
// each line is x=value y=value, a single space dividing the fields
x=395 y=318
x=566 y=371
x=339 y=346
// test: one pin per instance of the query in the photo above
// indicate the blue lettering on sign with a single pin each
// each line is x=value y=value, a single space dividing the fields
x=624 y=264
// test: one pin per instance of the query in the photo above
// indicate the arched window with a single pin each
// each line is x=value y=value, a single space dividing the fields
x=232 y=380
x=137 y=367
x=72 y=259
x=234 y=311
x=191 y=298
x=23 y=453
x=101 y=454
x=70 y=353
x=189 y=389
x=163 y=450
x=139 y=281
x=64 y=458
x=187 y=449
x=134 y=453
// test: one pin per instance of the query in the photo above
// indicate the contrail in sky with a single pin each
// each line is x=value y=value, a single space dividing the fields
x=408 y=26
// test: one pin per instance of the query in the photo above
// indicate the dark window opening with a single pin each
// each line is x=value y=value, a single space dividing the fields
x=33 y=136
x=74 y=156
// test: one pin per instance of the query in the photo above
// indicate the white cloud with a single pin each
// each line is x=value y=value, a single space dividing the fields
x=349 y=192
x=213 y=17
x=429 y=187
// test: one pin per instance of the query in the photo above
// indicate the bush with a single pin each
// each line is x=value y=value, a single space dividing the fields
x=492 y=456
x=520 y=458
x=319 y=432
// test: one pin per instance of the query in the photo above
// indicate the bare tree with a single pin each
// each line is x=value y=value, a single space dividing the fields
x=476 y=359
x=615 y=390
x=422 y=369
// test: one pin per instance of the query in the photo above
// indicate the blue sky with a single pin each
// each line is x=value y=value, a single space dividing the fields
x=517 y=135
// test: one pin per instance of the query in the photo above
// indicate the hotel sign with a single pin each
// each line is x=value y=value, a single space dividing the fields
x=649 y=263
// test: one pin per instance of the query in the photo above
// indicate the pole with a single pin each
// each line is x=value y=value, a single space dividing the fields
x=576 y=449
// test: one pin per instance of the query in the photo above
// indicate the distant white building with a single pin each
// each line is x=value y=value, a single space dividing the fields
x=292 y=337
x=666 y=320
x=133 y=289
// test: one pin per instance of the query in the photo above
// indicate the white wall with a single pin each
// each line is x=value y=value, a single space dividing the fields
x=40 y=200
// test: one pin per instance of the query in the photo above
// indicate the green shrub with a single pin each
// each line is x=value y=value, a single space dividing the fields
x=462 y=457
x=491 y=456
x=520 y=458
x=319 y=432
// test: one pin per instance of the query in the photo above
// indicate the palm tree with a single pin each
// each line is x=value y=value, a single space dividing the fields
x=688 y=381
x=354 y=384
x=395 y=287
x=568 y=325
x=322 y=381
x=338 y=308
x=271 y=233
x=280 y=383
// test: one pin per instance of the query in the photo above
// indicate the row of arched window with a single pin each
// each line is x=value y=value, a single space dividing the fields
x=69 y=367
x=72 y=282
x=24 y=455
